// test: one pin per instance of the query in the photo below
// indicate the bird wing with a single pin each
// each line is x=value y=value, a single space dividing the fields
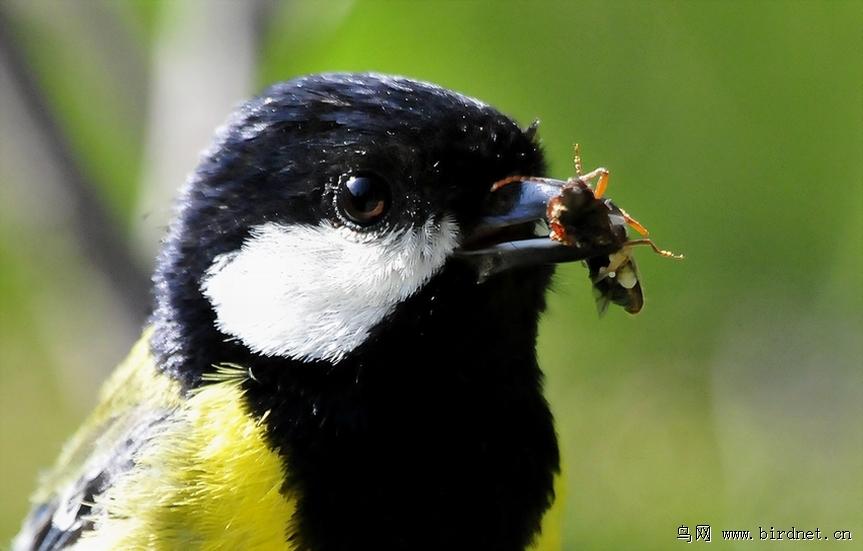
x=154 y=468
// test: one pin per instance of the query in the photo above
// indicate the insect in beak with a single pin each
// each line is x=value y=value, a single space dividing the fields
x=580 y=217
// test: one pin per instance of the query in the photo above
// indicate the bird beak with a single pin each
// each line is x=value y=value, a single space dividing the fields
x=515 y=230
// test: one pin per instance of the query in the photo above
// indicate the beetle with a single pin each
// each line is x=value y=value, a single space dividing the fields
x=581 y=217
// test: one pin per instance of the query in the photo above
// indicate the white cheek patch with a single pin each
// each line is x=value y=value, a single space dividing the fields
x=315 y=292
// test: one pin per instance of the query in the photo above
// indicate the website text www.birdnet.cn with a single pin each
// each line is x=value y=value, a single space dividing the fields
x=704 y=533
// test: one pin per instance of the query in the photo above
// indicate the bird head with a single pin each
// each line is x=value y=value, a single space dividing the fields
x=329 y=203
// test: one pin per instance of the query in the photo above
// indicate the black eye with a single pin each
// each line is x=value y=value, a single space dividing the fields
x=363 y=199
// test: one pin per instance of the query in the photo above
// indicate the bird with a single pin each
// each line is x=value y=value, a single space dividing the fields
x=341 y=353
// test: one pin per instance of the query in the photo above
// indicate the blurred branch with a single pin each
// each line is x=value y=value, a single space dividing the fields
x=98 y=233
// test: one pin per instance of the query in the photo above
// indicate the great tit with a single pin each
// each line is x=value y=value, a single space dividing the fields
x=341 y=354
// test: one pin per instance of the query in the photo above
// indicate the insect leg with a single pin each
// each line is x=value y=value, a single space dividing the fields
x=657 y=250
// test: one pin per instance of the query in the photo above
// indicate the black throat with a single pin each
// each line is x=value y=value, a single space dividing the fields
x=433 y=434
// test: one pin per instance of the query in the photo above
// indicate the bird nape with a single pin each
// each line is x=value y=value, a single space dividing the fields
x=341 y=353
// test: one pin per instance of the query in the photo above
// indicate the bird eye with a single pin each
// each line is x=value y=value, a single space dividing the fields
x=363 y=199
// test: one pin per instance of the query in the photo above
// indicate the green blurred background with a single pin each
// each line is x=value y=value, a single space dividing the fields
x=733 y=130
